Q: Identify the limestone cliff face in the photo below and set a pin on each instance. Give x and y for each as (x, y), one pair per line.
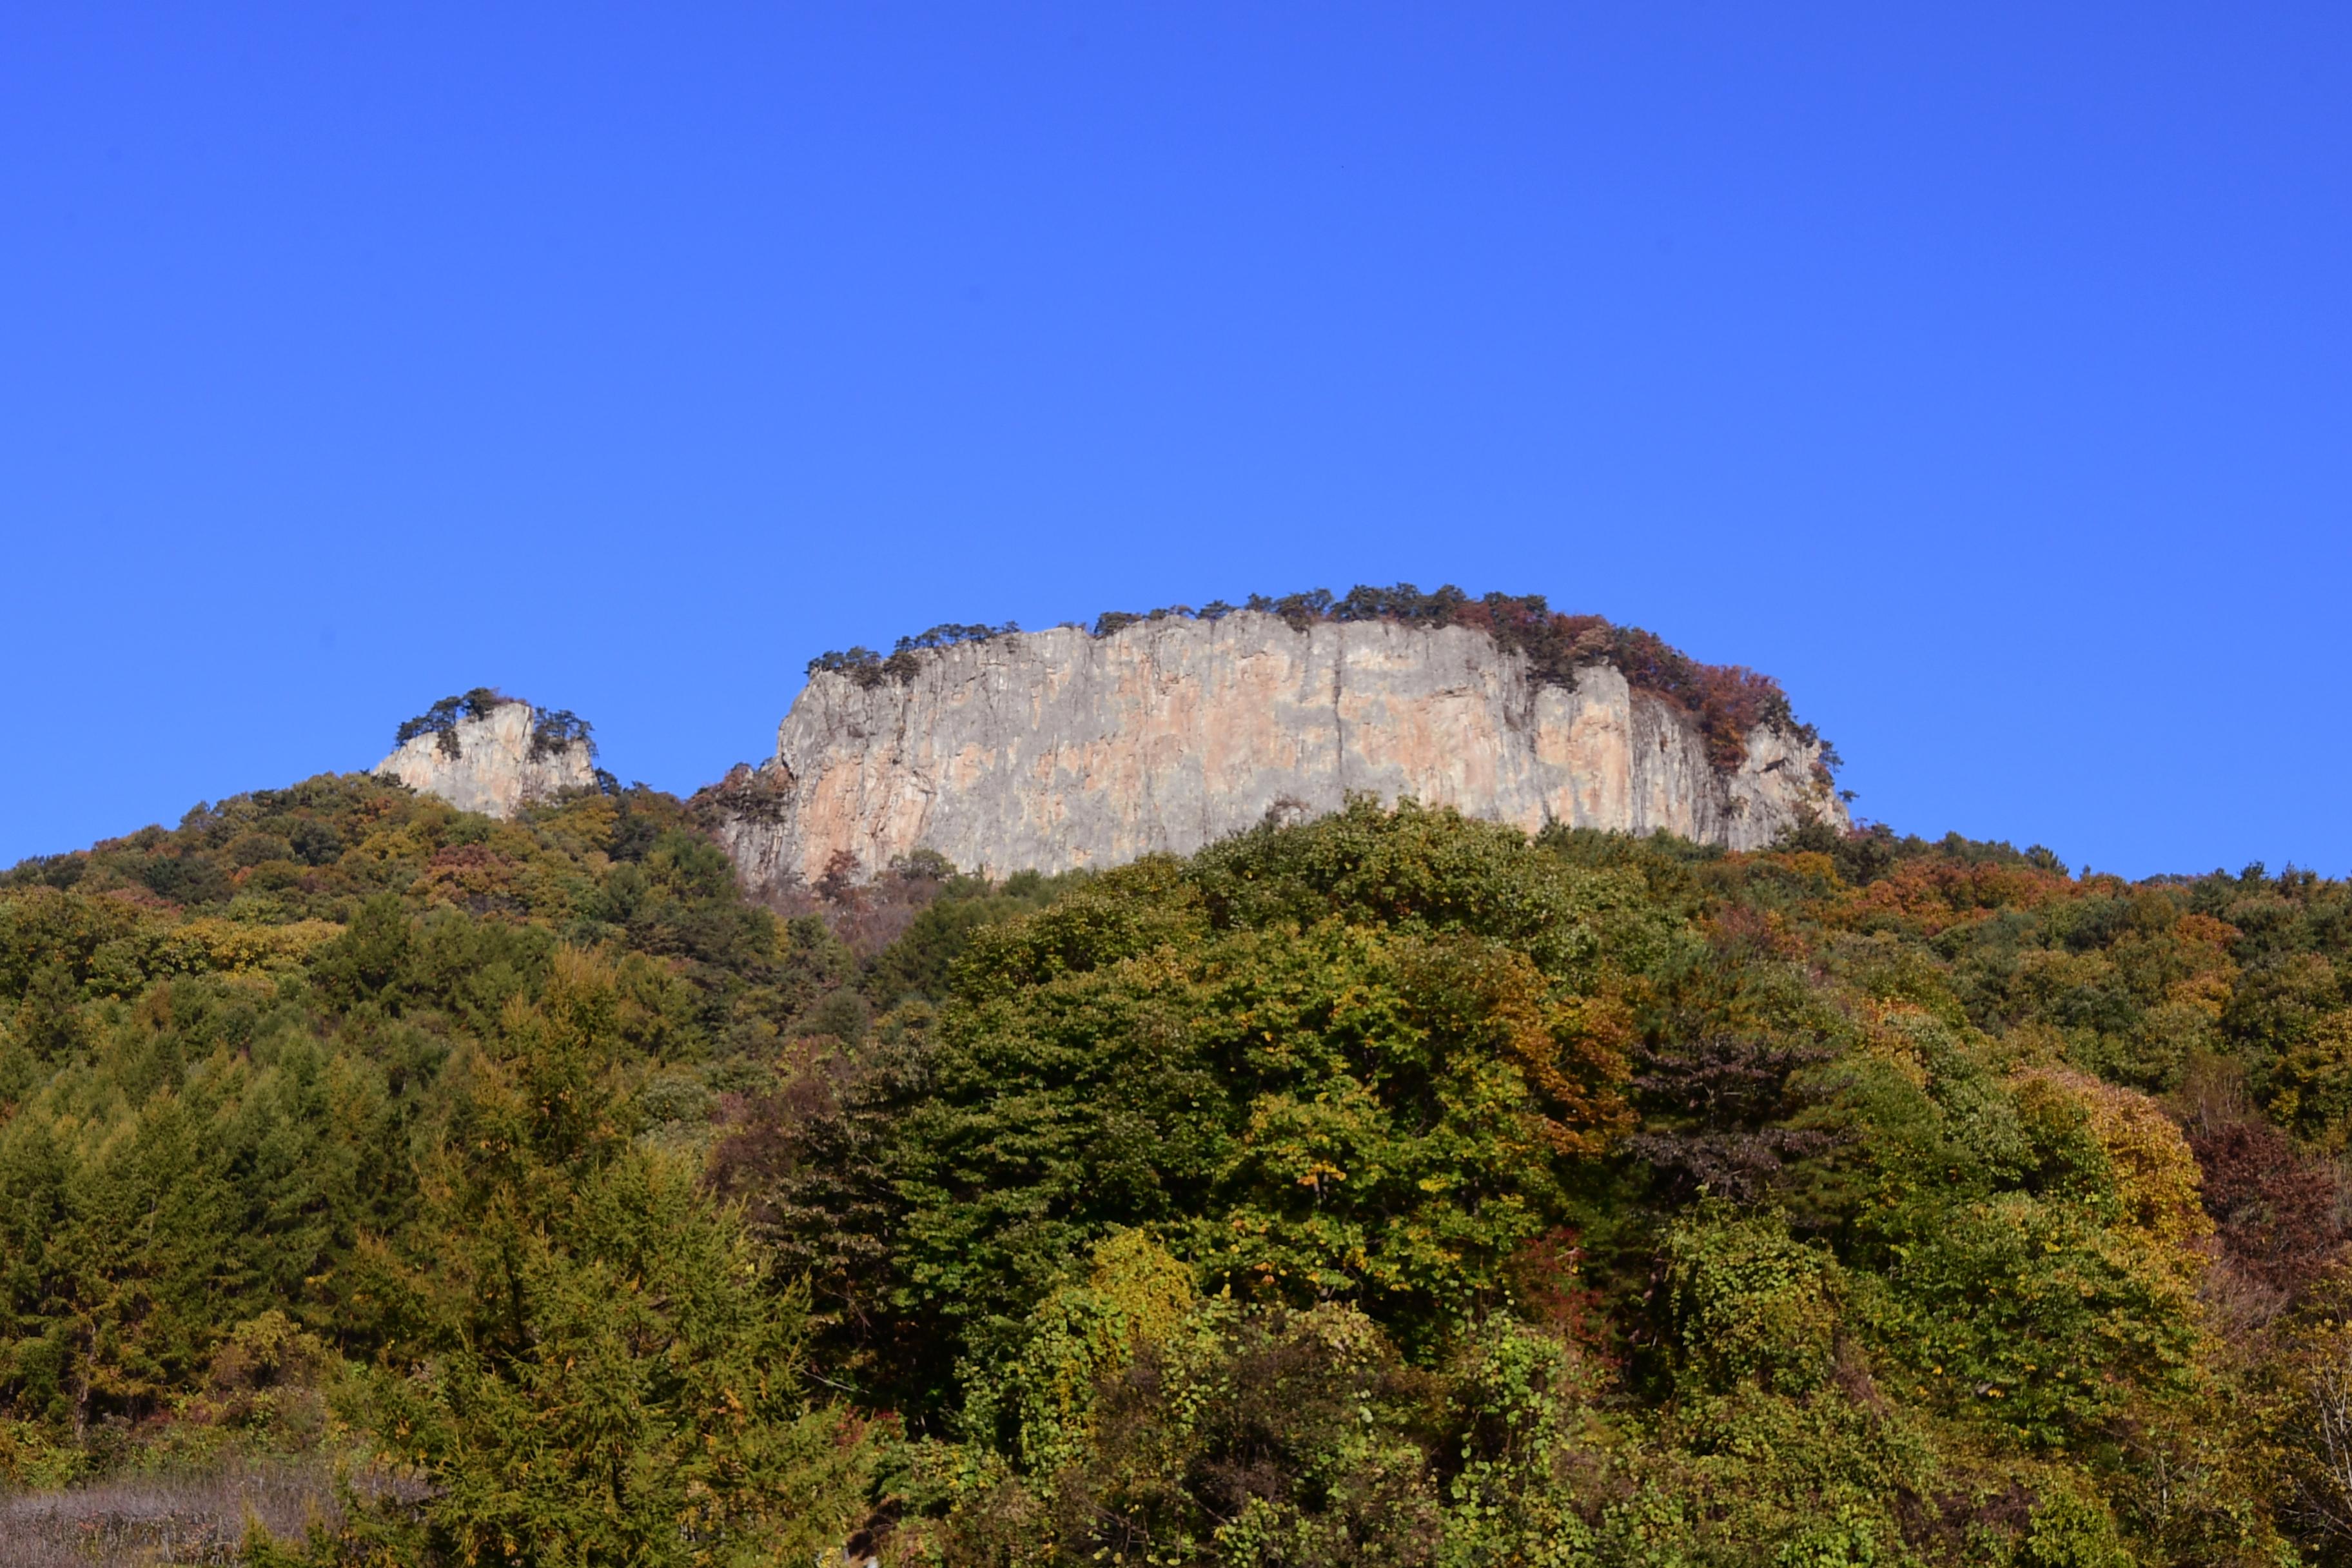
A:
(493, 770)
(1054, 750)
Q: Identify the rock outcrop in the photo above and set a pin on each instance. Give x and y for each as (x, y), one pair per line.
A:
(1052, 749)
(493, 763)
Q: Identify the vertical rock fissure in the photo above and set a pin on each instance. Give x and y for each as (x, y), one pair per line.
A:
(1338, 714)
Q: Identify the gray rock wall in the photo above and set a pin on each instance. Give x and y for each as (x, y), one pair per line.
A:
(493, 771)
(1054, 750)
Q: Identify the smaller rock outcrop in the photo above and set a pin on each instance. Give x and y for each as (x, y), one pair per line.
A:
(492, 755)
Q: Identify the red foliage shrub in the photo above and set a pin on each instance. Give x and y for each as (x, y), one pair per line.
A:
(2273, 1207)
(1936, 894)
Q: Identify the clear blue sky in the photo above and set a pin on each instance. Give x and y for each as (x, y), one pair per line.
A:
(1985, 371)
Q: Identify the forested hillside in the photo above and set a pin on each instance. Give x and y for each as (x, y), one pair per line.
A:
(1384, 1189)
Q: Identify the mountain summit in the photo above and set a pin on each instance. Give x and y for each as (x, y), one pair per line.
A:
(1006, 750)
(492, 753)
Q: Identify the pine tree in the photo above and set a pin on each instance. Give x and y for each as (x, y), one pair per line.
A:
(585, 1361)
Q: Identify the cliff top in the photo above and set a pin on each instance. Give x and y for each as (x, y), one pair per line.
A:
(1727, 700)
(551, 729)
(484, 751)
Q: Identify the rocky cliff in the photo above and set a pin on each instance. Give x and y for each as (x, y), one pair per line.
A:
(493, 762)
(1057, 749)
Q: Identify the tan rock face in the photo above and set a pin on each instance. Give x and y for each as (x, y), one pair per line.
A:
(1054, 750)
(493, 771)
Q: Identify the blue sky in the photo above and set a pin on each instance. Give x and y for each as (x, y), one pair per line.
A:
(1983, 372)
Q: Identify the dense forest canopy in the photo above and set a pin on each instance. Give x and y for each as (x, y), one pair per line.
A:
(1390, 1188)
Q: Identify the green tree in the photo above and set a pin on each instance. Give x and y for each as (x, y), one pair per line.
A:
(583, 1355)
